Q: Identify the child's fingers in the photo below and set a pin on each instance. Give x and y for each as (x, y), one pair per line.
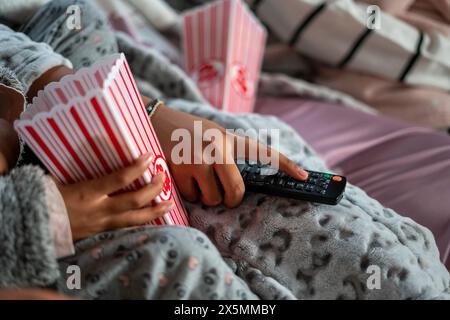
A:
(139, 217)
(137, 199)
(188, 188)
(232, 184)
(291, 168)
(254, 150)
(211, 192)
(121, 178)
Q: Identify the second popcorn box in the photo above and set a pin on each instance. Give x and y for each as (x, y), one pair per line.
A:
(224, 47)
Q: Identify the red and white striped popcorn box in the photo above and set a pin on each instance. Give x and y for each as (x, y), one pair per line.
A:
(93, 123)
(224, 46)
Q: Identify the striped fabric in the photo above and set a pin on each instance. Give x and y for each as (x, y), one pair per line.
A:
(226, 69)
(335, 32)
(93, 123)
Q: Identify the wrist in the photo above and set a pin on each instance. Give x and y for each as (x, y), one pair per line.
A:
(158, 116)
(146, 100)
(52, 75)
(12, 103)
(151, 106)
(160, 123)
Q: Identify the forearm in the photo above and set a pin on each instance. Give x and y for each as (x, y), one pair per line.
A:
(53, 75)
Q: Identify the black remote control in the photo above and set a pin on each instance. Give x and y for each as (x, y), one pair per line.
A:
(320, 187)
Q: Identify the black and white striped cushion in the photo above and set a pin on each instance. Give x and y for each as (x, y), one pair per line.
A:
(335, 32)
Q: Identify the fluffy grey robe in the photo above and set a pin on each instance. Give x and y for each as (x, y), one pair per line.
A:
(8, 78)
(27, 255)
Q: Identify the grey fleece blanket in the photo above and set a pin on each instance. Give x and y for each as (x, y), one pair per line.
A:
(293, 249)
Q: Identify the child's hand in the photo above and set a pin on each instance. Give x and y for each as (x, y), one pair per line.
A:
(212, 183)
(92, 209)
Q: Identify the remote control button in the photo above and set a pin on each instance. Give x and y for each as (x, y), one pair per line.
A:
(300, 185)
(270, 180)
(258, 183)
(314, 175)
(323, 192)
(281, 182)
(268, 171)
(291, 184)
(260, 178)
(327, 176)
(255, 170)
(282, 175)
(337, 178)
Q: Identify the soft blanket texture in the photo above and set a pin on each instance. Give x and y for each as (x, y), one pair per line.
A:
(283, 248)
(292, 249)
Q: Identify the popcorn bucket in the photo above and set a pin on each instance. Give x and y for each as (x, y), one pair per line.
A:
(93, 123)
(224, 46)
